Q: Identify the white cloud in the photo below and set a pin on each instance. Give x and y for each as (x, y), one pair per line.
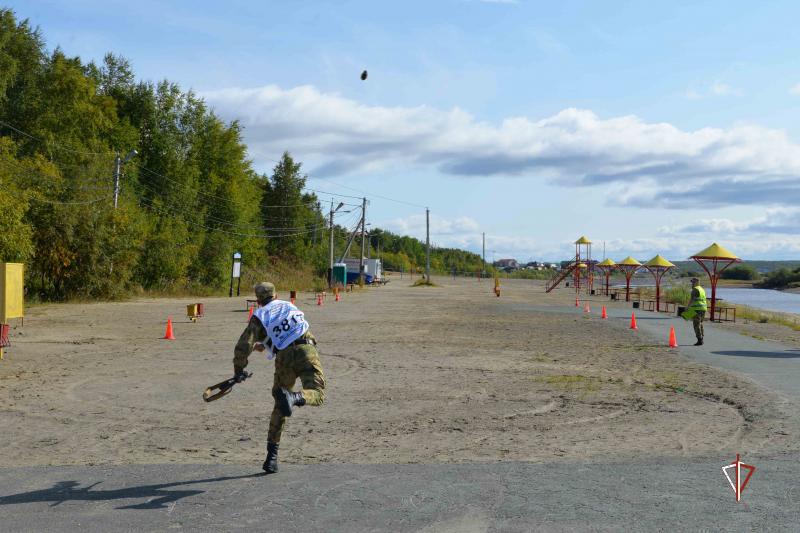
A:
(646, 164)
(795, 89)
(715, 88)
(465, 233)
(415, 225)
(772, 236)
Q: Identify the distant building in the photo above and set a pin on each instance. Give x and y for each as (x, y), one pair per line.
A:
(507, 265)
(502, 263)
(538, 265)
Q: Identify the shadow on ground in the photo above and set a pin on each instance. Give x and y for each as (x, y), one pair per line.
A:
(789, 354)
(157, 497)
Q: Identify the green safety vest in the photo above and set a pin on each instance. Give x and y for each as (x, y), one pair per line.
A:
(700, 302)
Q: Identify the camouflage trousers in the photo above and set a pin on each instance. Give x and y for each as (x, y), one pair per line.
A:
(697, 321)
(292, 363)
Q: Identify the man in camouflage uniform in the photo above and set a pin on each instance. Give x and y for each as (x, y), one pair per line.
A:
(280, 327)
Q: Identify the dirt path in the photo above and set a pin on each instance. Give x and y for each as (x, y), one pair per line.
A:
(449, 374)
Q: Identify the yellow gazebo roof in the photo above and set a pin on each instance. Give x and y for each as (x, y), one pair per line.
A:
(607, 263)
(659, 262)
(581, 265)
(583, 240)
(715, 251)
(629, 261)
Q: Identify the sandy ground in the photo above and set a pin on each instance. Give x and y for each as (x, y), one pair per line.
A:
(428, 375)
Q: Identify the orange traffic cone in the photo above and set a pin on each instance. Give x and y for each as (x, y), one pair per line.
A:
(249, 313)
(633, 321)
(576, 303)
(586, 308)
(168, 335)
(673, 342)
(604, 315)
(319, 299)
(337, 296)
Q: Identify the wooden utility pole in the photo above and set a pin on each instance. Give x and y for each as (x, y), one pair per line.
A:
(484, 254)
(117, 172)
(330, 271)
(363, 225)
(428, 245)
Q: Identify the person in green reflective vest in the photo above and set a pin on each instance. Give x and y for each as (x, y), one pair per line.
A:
(697, 303)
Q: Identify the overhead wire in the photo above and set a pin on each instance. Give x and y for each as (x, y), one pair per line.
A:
(210, 195)
(153, 172)
(243, 226)
(239, 234)
(371, 195)
(48, 143)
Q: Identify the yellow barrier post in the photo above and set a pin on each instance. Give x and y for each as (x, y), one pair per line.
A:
(12, 299)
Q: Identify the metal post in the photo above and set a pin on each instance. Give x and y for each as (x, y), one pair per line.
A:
(428, 244)
(230, 291)
(330, 274)
(361, 259)
(117, 171)
(484, 254)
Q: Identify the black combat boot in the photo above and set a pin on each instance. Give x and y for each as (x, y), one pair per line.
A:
(287, 399)
(271, 463)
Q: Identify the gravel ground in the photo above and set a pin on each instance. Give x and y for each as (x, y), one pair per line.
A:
(447, 374)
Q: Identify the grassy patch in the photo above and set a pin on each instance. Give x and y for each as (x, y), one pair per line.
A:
(679, 294)
(422, 282)
(541, 358)
(763, 317)
(671, 381)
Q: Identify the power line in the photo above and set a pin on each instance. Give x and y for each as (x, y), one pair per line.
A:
(154, 173)
(253, 235)
(234, 224)
(209, 195)
(35, 198)
(354, 189)
(49, 143)
(371, 195)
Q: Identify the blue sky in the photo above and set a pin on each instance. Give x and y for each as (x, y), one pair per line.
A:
(655, 128)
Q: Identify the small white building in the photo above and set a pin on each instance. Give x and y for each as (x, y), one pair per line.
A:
(372, 267)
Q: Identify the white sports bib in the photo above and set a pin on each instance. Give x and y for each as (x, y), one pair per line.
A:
(284, 322)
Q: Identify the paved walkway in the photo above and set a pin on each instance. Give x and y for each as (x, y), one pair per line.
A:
(772, 365)
(673, 495)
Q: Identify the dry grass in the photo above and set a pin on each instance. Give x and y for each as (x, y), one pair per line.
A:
(285, 276)
(763, 317)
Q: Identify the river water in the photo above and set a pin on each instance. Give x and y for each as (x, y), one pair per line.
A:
(767, 299)
(770, 300)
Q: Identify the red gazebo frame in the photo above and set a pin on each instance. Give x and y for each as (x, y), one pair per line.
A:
(658, 266)
(629, 266)
(714, 260)
(606, 267)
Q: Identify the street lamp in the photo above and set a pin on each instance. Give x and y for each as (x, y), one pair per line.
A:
(330, 267)
(118, 162)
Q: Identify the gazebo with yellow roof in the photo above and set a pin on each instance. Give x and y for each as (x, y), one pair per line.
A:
(714, 260)
(606, 266)
(629, 266)
(658, 266)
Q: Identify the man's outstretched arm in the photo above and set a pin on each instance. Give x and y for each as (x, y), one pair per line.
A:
(253, 333)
